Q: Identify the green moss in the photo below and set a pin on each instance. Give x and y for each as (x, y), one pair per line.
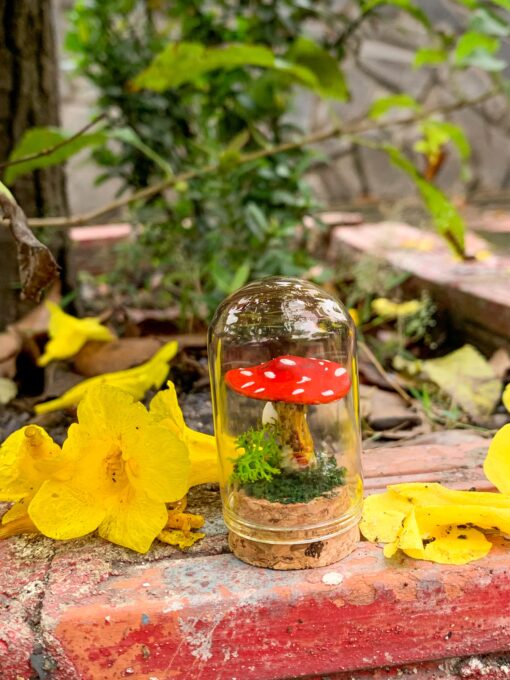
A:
(299, 487)
(261, 458)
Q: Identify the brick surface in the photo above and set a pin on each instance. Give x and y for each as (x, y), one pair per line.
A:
(475, 293)
(108, 613)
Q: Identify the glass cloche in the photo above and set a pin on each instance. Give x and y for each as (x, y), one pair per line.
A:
(284, 381)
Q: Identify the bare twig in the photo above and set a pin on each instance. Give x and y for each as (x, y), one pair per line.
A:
(56, 147)
(384, 374)
(357, 127)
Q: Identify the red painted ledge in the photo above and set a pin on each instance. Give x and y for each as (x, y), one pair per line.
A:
(85, 610)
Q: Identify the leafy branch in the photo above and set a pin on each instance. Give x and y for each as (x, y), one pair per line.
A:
(357, 127)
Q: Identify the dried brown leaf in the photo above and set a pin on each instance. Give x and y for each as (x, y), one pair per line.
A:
(37, 267)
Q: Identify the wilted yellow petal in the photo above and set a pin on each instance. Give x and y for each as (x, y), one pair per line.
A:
(18, 510)
(136, 381)
(432, 493)
(68, 334)
(496, 519)
(392, 310)
(134, 522)
(184, 520)
(383, 515)
(409, 537)
(497, 463)
(452, 545)
(181, 539)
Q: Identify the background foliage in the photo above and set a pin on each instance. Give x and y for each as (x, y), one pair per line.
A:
(192, 85)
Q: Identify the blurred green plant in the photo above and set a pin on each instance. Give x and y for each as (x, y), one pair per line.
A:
(204, 92)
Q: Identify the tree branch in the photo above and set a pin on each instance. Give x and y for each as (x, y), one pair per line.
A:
(357, 127)
(52, 149)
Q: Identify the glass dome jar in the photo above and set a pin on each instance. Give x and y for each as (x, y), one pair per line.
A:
(284, 381)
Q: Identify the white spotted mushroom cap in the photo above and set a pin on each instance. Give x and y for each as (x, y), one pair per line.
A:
(295, 380)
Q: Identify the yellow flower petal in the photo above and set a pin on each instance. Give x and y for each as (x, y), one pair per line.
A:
(28, 457)
(117, 442)
(480, 516)
(497, 463)
(506, 397)
(62, 511)
(452, 545)
(392, 310)
(68, 334)
(432, 493)
(135, 522)
(136, 381)
(165, 409)
(409, 537)
(382, 517)
(181, 539)
(18, 510)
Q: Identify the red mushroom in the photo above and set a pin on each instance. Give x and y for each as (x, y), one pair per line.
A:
(293, 383)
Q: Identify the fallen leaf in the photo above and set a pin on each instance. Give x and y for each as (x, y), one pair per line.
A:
(386, 410)
(8, 390)
(37, 266)
(96, 358)
(500, 362)
(468, 378)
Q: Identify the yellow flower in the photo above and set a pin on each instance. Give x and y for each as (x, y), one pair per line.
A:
(28, 457)
(136, 381)
(165, 410)
(392, 310)
(506, 397)
(497, 463)
(354, 314)
(68, 334)
(124, 468)
(431, 522)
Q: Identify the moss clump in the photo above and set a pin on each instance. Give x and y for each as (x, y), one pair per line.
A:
(261, 458)
(299, 487)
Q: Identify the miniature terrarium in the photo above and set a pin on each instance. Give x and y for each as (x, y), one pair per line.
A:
(282, 356)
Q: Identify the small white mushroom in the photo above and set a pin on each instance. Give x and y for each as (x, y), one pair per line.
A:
(269, 414)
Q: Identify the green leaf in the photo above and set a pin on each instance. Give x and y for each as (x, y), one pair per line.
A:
(405, 5)
(485, 61)
(438, 133)
(129, 136)
(5, 191)
(395, 101)
(40, 139)
(505, 4)
(447, 220)
(256, 221)
(489, 23)
(330, 79)
(429, 56)
(186, 62)
(473, 42)
(240, 277)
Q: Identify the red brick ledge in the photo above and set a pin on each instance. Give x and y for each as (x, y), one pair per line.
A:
(87, 610)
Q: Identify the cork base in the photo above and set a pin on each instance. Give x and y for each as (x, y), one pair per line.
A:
(295, 535)
(297, 556)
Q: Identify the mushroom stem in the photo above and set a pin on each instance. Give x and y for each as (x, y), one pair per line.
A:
(295, 434)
